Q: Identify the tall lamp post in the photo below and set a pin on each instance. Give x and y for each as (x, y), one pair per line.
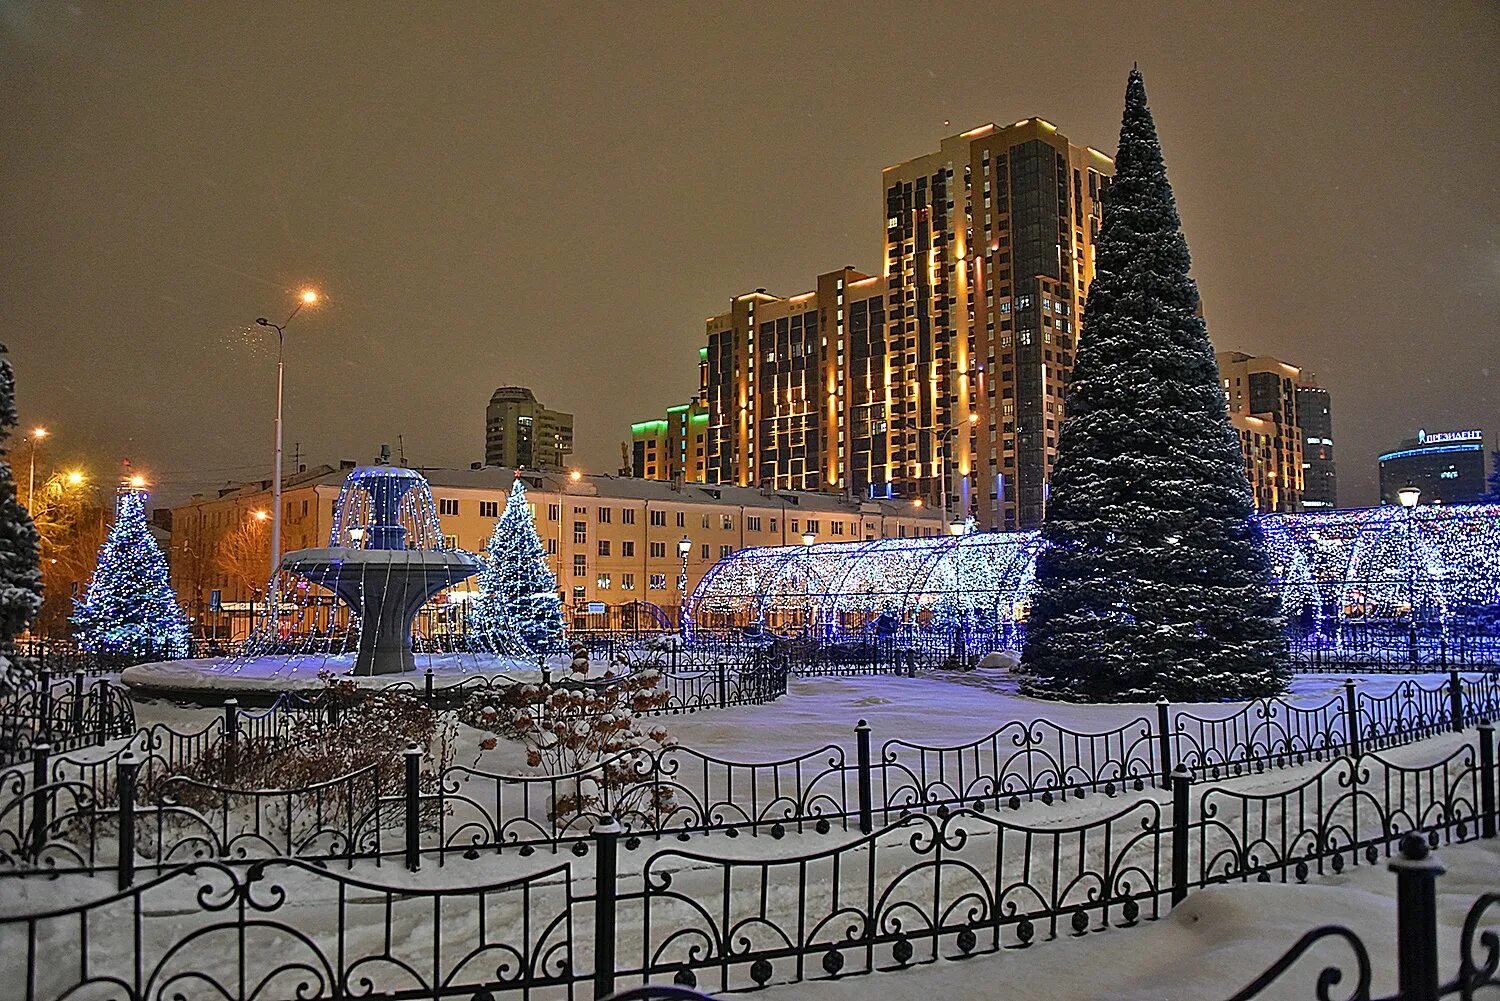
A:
(684, 550)
(309, 297)
(808, 538)
(1409, 496)
(36, 435)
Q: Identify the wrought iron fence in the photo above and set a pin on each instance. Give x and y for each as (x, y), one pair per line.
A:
(67, 715)
(1418, 963)
(67, 815)
(937, 885)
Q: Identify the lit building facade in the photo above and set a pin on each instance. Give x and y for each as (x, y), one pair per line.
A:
(611, 540)
(520, 433)
(1320, 485)
(1262, 397)
(674, 447)
(989, 252)
(1449, 467)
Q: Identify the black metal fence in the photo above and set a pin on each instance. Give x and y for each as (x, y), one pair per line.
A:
(68, 815)
(64, 714)
(930, 886)
(1418, 962)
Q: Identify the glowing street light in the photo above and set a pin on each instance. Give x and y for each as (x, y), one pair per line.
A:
(36, 435)
(575, 475)
(74, 478)
(137, 482)
(1409, 496)
(307, 297)
(259, 515)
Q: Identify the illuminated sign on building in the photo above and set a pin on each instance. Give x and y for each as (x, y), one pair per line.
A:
(1423, 438)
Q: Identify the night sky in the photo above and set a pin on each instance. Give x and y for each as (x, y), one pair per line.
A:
(556, 196)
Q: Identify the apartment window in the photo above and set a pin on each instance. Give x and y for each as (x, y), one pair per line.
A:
(681, 519)
(725, 551)
(554, 512)
(752, 523)
(489, 509)
(838, 528)
(448, 505)
(773, 525)
(580, 532)
(602, 582)
(603, 547)
(450, 542)
(726, 522)
(659, 519)
(705, 521)
(627, 516)
(604, 515)
(658, 582)
(580, 566)
(812, 526)
(658, 550)
(705, 551)
(627, 548)
(627, 582)
(551, 547)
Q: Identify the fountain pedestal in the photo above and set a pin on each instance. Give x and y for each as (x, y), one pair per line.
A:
(385, 588)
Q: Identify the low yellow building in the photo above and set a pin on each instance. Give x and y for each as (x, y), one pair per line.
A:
(612, 540)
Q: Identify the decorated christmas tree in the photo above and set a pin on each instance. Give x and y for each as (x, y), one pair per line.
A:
(130, 609)
(517, 609)
(1493, 497)
(1156, 581)
(20, 578)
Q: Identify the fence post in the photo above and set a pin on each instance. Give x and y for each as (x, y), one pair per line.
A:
(44, 679)
(1417, 870)
(1164, 741)
(232, 733)
(1456, 700)
(1181, 785)
(129, 766)
(41, 807)
(606, 868)
(723, 684)
(862, 748)
(1487, 779)
(427, 681)
(77, 714)
(1351, 717)
(413, 792)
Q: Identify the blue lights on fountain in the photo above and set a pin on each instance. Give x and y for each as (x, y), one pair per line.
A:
(385, 558)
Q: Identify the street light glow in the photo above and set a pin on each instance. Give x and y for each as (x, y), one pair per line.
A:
(138, 481)
(259, 515)
(38, 432)
(75, 478)
(309, 296)
(575, 475)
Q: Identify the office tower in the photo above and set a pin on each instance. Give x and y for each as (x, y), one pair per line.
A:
(1319, 478)
(1262, 397)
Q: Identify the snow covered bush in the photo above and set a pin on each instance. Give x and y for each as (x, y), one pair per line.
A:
(344, 771)
(588, 729)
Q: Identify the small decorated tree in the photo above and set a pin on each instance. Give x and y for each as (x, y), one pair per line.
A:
(130, 610)
(1493, 497)
(20, 578)
(517, 609)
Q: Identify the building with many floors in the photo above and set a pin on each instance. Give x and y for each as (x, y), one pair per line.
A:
(1319, 476)
(611, 540)
(1448, 467)
(950, 366)
(520, 433)
(1262, 396)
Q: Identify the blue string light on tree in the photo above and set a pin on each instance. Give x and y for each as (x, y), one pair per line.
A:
(516, 609)
(130, 609)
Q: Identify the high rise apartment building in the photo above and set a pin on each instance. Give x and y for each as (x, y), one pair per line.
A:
(522, 434)
(674, 447)
(1319, 477)
(989, 251)
(952, 364)
(1262, 397)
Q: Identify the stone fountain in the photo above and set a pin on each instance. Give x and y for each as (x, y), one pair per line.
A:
(385, 558)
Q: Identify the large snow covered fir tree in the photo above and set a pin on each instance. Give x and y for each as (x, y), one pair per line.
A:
(1156, 581)
(130, 609)
(20, 575)
(517, 609)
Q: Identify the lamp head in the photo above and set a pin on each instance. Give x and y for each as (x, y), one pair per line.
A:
(38, 433)
(808, 538)
(1409, 496)
(262, 321)
(75, 478)
(684, 547)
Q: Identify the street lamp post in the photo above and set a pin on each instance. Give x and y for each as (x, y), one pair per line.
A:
(307, 298)
(36, 435)
(684, 550)
(1409, 496)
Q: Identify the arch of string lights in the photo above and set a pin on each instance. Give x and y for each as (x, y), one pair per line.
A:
(1366, 576)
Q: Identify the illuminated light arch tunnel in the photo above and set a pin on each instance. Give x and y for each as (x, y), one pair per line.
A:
(1373, 578)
